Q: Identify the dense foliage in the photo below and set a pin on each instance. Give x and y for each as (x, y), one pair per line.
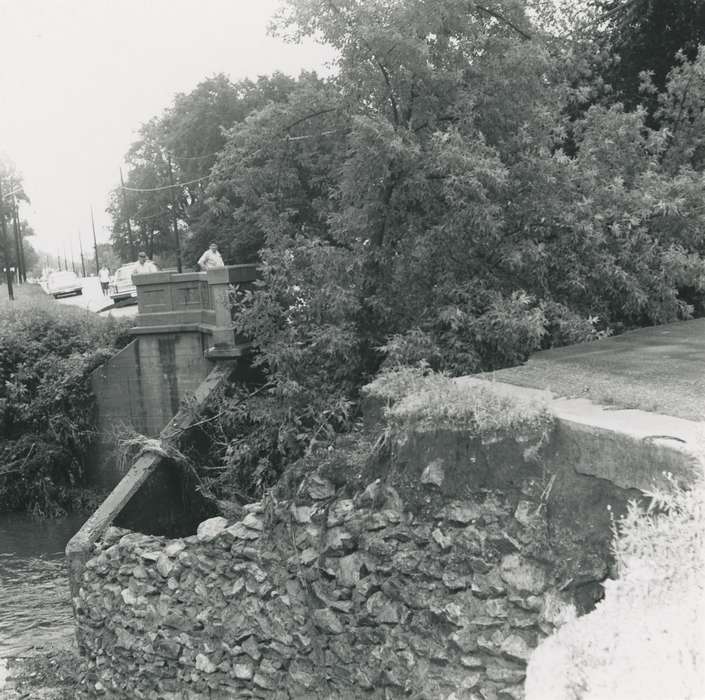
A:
(46, 407)
(468, 187)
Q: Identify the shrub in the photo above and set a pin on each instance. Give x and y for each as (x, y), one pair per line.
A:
(47, 352)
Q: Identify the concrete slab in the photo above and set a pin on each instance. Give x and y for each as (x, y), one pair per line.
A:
(659, 369)
(631, 448)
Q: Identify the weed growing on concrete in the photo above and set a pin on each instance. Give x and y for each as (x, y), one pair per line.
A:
(418, 400)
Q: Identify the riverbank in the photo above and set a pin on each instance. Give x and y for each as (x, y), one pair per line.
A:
(51, 676)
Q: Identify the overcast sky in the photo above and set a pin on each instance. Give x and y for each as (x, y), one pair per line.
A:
(78, 77)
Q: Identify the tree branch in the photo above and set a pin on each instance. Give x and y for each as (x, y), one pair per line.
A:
(504, 20)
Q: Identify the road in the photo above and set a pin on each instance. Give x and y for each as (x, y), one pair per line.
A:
(93, 299)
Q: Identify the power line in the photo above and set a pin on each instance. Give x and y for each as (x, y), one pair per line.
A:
(165, 187)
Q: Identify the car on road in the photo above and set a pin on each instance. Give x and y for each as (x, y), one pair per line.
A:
(63, 283)
(122, 287)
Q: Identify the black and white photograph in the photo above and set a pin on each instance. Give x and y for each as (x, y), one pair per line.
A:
(352, 349)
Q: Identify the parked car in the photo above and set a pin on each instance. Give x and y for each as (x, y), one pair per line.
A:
(62, 283)
(122, 287)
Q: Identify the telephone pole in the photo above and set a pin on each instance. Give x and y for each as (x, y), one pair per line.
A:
(95, 244)
(173, 213)
(73, 262)
(5, 252)
(133, 253)
(80, 247)
(20, 242)
(18, 246)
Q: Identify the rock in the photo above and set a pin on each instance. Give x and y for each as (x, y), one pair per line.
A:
(443, 541)
(557, 610)
(524, 512)
(523, 575)
(433, 474)
(504, 674)
(487, 585)
(209, 529)
(203, 663)
(165, 565)
(382, 609)
(114, 534)
(515, 647)
(308, 556)
(128, 597)
(512, 692)
(173, 548)
(167, 647)
(301, 514)
(472, 662)
(243, 671)
(470, 681)
(240, 532)
(497, 607)
(347, 570)
(252, 522)
(340, 511)
(327, 621)
(455, 582)
(251, 648)
(337, 540)
(465, 640)
(460, 513)
(319, 488)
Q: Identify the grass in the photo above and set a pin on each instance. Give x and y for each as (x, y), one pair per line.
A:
(425, 401)
(656, 369)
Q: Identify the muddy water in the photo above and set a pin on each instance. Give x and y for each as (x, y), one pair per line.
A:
(35, 608)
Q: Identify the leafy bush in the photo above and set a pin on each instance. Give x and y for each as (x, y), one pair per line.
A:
(47, 352)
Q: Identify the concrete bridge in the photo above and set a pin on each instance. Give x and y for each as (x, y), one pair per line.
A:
(183, 329)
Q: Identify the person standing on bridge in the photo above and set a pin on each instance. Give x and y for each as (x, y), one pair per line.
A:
(104, 277)
(144, 264)
(211, 258)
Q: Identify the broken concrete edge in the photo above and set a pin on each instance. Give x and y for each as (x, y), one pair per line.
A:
(78, 550)
(631, 448)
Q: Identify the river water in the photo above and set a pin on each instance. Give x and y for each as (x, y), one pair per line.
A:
(35, 605)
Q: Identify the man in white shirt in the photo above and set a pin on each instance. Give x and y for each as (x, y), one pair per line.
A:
(144, 264)
(211, 258)
(104, 277)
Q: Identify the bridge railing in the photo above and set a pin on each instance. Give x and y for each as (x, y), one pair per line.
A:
(173, 302)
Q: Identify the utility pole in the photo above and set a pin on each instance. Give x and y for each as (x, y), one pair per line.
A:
(133, 253)
(5, 252)
(58, 258)
(66, 265)
(73, 262)
(80, 247)
(95, 244)
(18, 224)
(18, 246)
(173, 213)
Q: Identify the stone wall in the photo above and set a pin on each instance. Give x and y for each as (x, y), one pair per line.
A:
(339, 593)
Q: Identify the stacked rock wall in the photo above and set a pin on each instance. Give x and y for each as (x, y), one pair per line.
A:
(333, 595)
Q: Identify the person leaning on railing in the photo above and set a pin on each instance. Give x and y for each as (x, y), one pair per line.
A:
(211, 258)
(144, 264)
